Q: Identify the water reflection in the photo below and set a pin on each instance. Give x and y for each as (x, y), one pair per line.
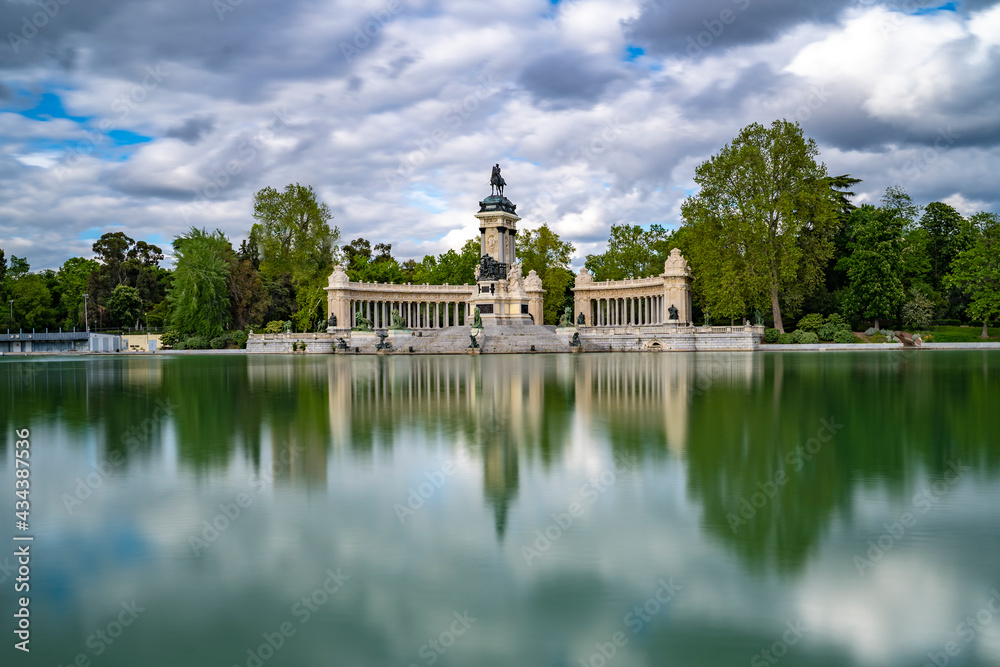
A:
(738, 421)
(341, 440)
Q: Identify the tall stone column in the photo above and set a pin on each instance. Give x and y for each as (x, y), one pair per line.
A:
(533, 289)
(581, 300)
(677, 288)
(337, 302)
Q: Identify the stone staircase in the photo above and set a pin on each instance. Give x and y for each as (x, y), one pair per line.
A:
(450, 340)
(516, 339)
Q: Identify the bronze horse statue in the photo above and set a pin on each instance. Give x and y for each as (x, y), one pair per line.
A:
(497, 184)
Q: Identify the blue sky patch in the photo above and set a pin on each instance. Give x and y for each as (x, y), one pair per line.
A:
(50, 107)
(632, 52)
(946, 7)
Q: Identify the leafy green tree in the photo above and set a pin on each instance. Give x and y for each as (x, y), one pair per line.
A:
(294, 238)
(633, 252)
(943, 225)
(764, 220)
(976, 270)
(199, 296)
(541, 250)
(125, 305)
(248, 300)
(364, 265)
(124, 261)
(32, 301)
(72, 278)
(875, 269)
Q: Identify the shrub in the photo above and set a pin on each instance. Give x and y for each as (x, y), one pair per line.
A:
(240, 339)
(843, 337)
(786, 339)
(946, 323)
(918, 310)
(808, 338)
(274, 327)
(871, 331)
(798, 334)
(811, 322)
(170, 338)
(218, 343)
(197, 343)
(771, 335)
(826, 331)
(295, 346)
(839, 322)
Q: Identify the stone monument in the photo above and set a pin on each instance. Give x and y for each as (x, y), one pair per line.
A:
(502, 295)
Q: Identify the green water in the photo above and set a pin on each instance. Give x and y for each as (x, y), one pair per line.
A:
(654, 509)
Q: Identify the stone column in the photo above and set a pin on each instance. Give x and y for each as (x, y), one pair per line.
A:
(677, 287)
(533, 290)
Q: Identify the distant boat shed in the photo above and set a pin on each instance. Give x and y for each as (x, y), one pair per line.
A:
(64, 341)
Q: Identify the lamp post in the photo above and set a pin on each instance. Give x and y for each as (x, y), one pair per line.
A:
(86, 320)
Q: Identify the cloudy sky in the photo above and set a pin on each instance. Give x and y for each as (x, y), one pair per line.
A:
(151, 117)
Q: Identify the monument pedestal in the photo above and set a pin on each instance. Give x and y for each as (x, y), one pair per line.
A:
(498, 305)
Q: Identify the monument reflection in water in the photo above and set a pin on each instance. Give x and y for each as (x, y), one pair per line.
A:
(513, 509)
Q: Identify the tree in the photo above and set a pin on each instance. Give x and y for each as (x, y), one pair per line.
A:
(112, 251)
(32, 301)
(633, 252)
(542, 251)
(247, 298)
(72, 278)
(294, 237)
(875, 269)
(125, 305)
(976, 270)
(766, 217)
(124, 261)
(199, 296)
(942, 224)
(366, 266)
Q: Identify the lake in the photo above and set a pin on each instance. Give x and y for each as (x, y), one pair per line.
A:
(832, 508)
